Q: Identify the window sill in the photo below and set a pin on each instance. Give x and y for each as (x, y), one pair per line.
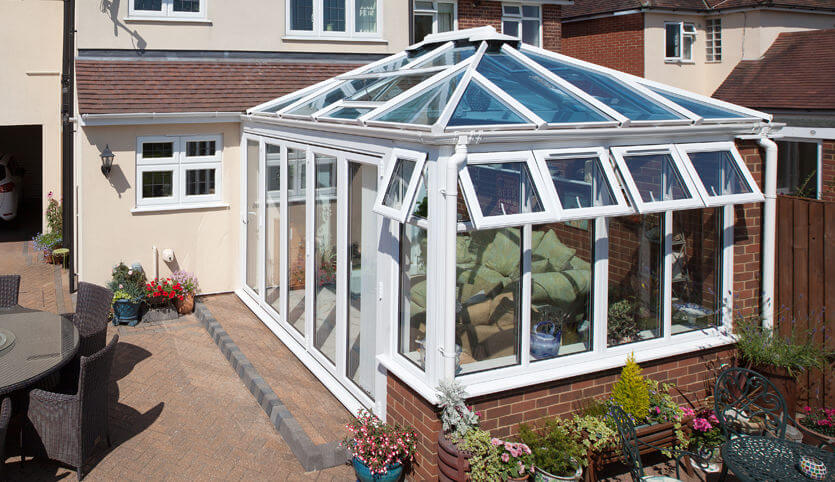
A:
(312, 38)
(152, 19)
(179, 207)
(682, 62)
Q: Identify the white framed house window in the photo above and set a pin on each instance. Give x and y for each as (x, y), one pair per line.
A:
(713, 39)
(334, 18)
(178, 172)
(401, 182)
(431, 17)
(679, 40)
(719, 173)
(523, 21)
(168, 9)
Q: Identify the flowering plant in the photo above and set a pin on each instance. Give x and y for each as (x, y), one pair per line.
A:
(163, 290)
(662, 407)
(129, 280)
(515, 458)
(820, 420)
(187, 281)
(493, 459)
(379, 445)
(703, 432)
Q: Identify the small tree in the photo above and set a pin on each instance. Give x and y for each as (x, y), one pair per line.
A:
(630, 392)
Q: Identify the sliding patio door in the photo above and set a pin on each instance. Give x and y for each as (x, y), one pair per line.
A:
(252, 215)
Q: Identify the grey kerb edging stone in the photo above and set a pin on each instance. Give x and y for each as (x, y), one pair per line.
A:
(309, 455)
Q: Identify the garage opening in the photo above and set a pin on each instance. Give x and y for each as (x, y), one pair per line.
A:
(21, 186)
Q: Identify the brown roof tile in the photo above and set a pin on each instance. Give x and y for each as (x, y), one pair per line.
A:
(117, 86)
(796, 72)
(582, 8)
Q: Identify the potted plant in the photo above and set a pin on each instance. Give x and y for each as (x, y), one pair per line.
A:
(127, 284)
(457, 419)
(46, 243)
(703, 436)
(492, 459)
(555, 450)
(379, 450)
(622, 327)
(186, 283)
(818, 426)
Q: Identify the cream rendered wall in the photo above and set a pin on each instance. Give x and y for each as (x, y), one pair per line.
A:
(251, 25)
(205, 241)
(745, 36)
(30, 75)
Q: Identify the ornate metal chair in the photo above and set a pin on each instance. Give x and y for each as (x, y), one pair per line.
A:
(9, 289)
(746, 403)
(632, 452)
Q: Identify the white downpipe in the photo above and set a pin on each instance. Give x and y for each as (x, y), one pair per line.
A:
(155, 258)
(769, 231)
(453, 164)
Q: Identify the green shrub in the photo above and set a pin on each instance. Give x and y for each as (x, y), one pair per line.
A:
(555, 449)
(129, 280)
(795, 354)
(631, 392)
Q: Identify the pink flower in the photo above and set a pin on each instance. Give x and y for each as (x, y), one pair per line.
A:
(658, 410)
(495, 442)
(505, 457)
(807, 409)
(688, 412)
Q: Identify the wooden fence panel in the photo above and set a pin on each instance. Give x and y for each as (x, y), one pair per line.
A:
(806, 283)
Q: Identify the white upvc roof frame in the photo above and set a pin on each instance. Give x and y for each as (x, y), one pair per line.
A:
(428, 56)
(713, 200)
(552, 212)
(643, 207)
(621, 206)
(400, 215)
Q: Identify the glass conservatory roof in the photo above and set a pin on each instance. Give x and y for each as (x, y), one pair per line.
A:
(480, 79)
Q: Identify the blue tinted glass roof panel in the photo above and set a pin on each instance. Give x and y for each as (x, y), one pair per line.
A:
(608, 90)
(426, 108)
(546, 99)
(699, 108)
(349, 112)
(479, 107)
(449, 57)
(387, 88)
(331, 96)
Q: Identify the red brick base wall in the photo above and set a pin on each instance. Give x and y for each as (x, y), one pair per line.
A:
(828, 171)
(615, 42)
(490, 13)
(747, 239)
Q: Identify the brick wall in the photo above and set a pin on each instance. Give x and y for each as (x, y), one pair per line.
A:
(828, 171)
(405, 407)
(615, 42)
(747, 238)
(490, 13)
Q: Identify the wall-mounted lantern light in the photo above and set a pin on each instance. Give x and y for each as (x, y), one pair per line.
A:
(106, 160)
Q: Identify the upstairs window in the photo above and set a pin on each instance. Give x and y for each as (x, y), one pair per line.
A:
(168, 8)
(333, 18)
(713, 39)
(433, 17)
(523, 21)
(679, 41)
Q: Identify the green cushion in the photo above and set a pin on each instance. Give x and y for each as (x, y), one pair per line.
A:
(464, 258)
(502, 254)
(483, 279)
(559, 288)
(551, 248)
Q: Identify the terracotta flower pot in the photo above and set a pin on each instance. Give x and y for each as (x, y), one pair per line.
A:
(186, 305)
(812, 436)
(453, 464)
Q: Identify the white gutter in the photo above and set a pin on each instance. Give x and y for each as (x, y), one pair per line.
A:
(453, 164)
(769, 231)
(134, 118)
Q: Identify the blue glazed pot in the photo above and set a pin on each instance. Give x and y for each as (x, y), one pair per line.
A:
(126, 311)
(395, 471)
(545, 339)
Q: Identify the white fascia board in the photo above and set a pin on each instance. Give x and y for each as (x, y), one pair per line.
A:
(799, 132)
(140, 118)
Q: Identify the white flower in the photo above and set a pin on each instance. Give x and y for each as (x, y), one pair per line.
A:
(121, 286)
(130, 272)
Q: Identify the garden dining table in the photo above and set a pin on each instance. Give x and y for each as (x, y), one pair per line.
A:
(767, 458)
(33, 345)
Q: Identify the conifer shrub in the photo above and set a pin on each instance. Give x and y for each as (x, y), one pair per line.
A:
(631, 391)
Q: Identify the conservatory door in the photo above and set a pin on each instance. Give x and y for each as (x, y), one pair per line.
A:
(252, 216)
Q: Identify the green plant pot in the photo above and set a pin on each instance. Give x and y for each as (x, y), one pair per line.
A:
(126, 311)
(363, 473)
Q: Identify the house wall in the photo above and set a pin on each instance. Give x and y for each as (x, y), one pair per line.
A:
(205, 241)
(828, 170)
(745, 36)
(693, 373)
(255, 25)
(30, 77)
(615, 42)
(490, 13)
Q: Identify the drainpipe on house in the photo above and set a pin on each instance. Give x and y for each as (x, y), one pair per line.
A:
(67, 137)
(769, 251)
(453, 164)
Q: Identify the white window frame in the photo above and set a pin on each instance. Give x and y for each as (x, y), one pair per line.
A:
(434, 14)
(319, 31)
(166, 11)
(714, 200)
(179, 164)
(682, 33)
(713, 40)
(545, 191)
(518, 18)
(401, 214)
(621, 206)
(643, 207)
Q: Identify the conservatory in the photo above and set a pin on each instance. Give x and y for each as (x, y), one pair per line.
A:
(478, 208)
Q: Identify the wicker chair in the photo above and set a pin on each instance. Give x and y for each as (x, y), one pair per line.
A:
(90, 318)
(9, 289)
(69, 426)
(5, 415)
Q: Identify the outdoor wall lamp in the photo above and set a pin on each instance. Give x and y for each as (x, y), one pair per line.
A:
(106, 160)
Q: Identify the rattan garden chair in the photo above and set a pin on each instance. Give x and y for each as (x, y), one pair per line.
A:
(90, 318)
(9, 289)
(5, 416)
(68, 427)
(632, 449)
(746, 403)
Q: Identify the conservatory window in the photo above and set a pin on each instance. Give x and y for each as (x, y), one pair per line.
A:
(636, 248)
(488, 299)
(400, 183)
(523, 21)
(720, 174)
(324, 228)
(561, 289)
(296, 238)
(172, 9)
(272, 229)
(433, 17)
(412, 325)
(680, 37)
(656, 178)
(505, 189)
(333, 18)
(178, 171)
(696, 270)
(585, 182)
